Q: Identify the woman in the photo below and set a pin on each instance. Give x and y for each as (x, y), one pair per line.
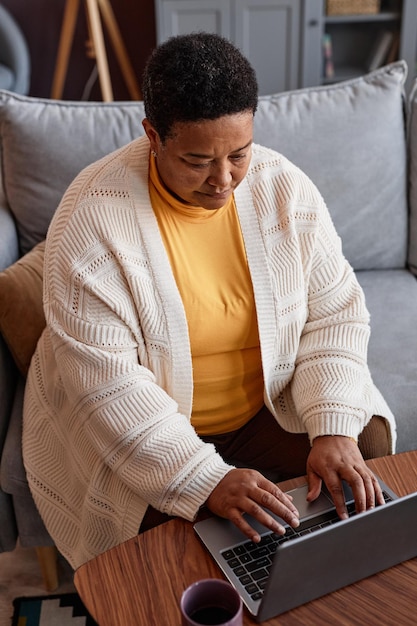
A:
(205, 335)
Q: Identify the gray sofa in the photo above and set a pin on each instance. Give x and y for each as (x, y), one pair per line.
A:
(356, 140)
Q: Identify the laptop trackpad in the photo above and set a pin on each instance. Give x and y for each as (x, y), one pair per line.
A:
(307, 509)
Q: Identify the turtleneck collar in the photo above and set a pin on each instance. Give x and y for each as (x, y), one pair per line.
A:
(197, 213)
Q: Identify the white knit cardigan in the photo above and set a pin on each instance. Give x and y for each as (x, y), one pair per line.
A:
(109, 393)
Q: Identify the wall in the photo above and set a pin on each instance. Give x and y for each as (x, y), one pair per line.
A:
(41, 20)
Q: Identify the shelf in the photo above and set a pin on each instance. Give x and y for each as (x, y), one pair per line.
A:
(384, 16)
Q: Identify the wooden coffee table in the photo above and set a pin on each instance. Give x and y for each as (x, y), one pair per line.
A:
(140, 582)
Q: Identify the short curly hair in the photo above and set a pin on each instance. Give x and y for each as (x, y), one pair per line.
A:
(196, 77)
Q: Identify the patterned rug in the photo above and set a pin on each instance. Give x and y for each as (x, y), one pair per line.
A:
(63, 610)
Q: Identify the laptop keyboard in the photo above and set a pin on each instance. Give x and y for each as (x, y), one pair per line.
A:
(251, 562)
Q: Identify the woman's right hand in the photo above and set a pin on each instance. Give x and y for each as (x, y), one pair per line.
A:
(247, 491)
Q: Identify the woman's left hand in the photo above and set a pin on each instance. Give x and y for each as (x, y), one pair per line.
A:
(333, 458)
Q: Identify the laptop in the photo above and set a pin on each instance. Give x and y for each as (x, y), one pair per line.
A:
(322, 555)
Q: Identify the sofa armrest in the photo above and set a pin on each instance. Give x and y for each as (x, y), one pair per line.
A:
(9, 243)
(8, 381)
(9, 253)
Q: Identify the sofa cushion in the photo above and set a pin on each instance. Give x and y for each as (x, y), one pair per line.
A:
(391, 297)
(21, 312)
(350, 139)
(45, 143)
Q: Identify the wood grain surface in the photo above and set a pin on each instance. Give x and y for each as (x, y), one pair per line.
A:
(140, 582)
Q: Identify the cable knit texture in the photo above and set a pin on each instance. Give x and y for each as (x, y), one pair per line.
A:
(109, 393)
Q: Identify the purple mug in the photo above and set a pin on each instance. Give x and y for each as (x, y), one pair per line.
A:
(211, 601)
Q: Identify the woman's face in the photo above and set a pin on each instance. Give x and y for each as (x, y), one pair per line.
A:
(203, 162)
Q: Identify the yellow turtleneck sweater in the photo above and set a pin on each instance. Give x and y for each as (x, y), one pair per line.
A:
(207, 256)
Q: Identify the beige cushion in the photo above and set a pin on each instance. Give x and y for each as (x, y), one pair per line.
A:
(21, 312)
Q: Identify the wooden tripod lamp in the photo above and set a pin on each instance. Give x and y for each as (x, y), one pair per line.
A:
(95, 10)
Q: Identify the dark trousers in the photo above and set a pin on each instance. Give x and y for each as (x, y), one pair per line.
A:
(263, 445)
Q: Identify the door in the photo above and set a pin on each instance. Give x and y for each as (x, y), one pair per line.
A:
(268, 33)
(179, 17)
